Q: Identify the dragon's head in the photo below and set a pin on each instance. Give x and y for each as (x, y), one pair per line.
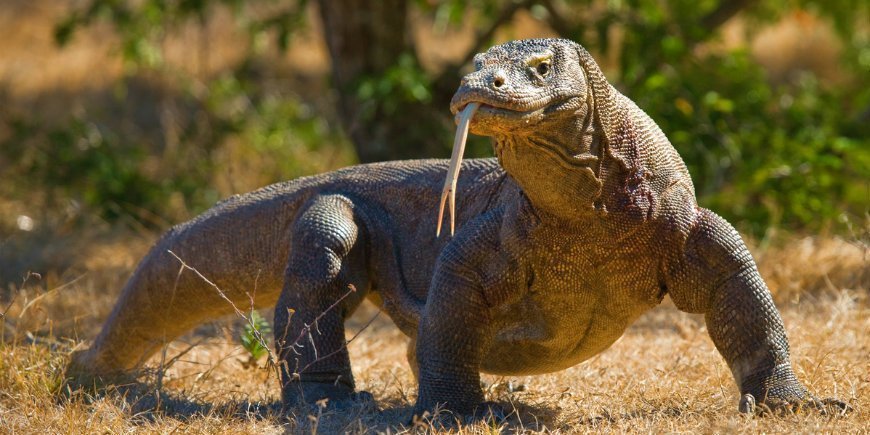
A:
(549, 109)
(526, 86)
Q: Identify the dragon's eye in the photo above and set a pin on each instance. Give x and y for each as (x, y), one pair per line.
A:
(540, 63)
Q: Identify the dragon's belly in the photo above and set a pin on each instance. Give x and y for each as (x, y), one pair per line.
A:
(555, 326)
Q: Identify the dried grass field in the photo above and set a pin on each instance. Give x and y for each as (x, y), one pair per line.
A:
(663, 375)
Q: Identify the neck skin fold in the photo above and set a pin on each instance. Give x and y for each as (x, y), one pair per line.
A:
(556, 166)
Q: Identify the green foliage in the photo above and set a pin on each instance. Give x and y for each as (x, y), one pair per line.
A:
(792, 154)
(140, 25)
(253, 334)
(292, 137)
(781, 156)
(115, 163)
(80, 161)
(404, 82)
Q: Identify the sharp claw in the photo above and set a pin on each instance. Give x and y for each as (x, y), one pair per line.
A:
(779, 406)
(828, 405)
(747, 404)
(449, 189)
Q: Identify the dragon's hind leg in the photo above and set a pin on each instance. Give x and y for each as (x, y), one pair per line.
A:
(325, 280)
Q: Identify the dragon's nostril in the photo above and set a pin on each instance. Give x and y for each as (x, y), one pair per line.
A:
(499, 79)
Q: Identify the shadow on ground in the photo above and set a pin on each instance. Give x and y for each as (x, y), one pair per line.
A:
(147, 404)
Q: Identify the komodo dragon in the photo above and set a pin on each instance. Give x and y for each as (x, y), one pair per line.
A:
(585, 220)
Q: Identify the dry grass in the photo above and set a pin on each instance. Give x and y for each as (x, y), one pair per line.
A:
(664, 375)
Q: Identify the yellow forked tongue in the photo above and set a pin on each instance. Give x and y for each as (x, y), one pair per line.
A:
(455, 163)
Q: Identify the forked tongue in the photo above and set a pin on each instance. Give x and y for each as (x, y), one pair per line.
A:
(455, 163)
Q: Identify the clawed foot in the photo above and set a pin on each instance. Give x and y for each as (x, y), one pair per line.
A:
(779, 406)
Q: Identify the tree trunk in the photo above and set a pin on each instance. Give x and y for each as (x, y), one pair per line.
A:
(365, 39)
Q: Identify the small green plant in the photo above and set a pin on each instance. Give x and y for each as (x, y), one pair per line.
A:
(252, 338)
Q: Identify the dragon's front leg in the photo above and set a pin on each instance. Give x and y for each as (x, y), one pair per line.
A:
(716, 275)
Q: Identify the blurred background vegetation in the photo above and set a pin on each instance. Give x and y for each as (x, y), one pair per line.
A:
(142, 113)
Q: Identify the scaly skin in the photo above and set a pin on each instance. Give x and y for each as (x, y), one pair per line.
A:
(587, 219)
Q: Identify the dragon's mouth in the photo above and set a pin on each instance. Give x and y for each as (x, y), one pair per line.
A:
(487, 111)
(495, 109)
(489, 117)
(494, 117)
